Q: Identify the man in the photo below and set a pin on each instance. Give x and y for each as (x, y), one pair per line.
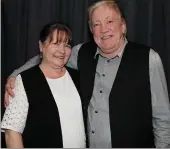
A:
(122, 85)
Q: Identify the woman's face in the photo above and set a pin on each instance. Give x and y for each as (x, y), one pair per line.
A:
(55, 54)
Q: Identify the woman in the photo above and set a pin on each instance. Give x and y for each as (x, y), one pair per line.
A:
(46, 110)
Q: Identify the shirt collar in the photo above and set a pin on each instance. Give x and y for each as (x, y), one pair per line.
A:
(119, 54)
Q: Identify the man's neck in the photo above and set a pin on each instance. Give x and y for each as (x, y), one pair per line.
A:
(118, 50)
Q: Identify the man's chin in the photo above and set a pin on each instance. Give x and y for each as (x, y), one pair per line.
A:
(107, 49)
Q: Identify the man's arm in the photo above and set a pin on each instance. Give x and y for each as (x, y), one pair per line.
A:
(72, 62)
(160, 102)
(30, 63)
(11, 79)
(13, 139)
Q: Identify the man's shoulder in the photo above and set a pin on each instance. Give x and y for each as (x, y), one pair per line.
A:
(88, 46)
(138, 46)
(89, 43)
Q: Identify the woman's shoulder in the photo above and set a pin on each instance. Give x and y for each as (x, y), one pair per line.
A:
(19, 87)
(18, 81)
(74, 74)
(31, 70)
(71, 70)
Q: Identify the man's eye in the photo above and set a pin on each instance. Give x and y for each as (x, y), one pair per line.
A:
(110, 21)
(94, 25)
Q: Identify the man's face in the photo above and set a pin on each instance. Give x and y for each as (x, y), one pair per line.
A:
(107, 28)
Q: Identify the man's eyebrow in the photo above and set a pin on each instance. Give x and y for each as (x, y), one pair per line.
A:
(109, 17)
(96, 21)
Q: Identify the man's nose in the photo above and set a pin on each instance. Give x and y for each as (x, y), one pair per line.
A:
(104, 28)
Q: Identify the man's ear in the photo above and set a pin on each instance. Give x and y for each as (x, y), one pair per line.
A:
(124, 29)
(90, 26)
(40, 46)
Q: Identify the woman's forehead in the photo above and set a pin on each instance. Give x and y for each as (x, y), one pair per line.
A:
(60, 36)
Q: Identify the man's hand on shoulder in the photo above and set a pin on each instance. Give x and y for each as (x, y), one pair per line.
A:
(10, 85)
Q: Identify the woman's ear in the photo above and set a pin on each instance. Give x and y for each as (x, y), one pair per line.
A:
(40, 46)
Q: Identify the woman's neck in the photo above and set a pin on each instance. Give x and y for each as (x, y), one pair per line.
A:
(52, 72)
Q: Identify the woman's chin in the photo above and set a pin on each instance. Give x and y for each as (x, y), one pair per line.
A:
(57, 65)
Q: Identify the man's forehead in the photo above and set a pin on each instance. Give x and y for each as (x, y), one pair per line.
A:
(107, 14)
(106, 8)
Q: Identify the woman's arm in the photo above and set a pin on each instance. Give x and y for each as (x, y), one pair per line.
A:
(15, 116)
(13, 139)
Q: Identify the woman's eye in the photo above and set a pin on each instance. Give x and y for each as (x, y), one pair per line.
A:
(55, 43)
(68, 46)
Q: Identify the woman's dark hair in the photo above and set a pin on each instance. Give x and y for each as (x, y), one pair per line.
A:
(63, 32)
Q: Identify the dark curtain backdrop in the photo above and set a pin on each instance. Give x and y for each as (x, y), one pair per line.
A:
(148, 22)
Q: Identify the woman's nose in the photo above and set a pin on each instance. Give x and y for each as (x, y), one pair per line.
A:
(61, 49)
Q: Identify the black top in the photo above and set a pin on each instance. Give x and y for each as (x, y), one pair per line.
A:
(130, 97)
(43, 129)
